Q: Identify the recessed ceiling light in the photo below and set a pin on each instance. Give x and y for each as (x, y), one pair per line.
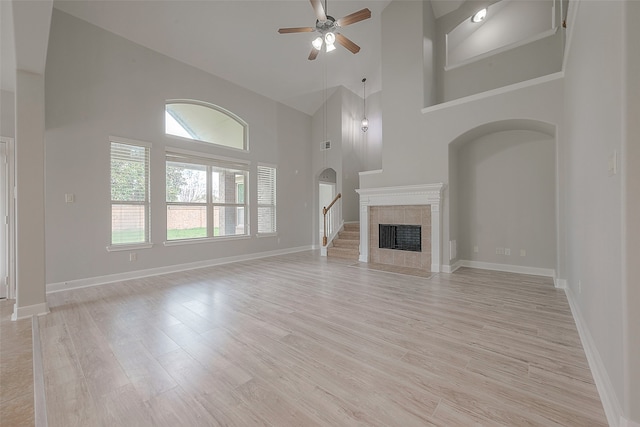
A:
(479, 16)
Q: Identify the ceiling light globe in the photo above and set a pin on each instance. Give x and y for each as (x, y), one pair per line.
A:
(364, 125)
(317, 43)
(329, 38)
(479, 16)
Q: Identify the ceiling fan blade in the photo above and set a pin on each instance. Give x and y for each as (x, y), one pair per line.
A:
(358, 16)
(319, 10)
(296, 30)
(351, 46)
(313, 54)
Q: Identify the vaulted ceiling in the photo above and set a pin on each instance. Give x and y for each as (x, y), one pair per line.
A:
(238, 41)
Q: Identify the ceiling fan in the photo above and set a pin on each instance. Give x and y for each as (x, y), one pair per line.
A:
(327, 26)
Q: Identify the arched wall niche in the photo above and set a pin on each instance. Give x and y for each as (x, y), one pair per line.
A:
(502, 186)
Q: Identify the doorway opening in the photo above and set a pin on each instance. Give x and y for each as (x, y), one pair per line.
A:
(327, 191)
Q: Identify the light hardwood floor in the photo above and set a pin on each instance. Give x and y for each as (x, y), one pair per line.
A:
(300, 340)
(16, 369)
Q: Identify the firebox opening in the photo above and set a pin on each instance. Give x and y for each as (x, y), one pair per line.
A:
(400, 237)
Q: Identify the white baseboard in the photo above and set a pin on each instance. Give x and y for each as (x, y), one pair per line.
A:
(29, 311)
(612, 408)
(138, 274)
(560, 283)
(451, 268)
(534, 271)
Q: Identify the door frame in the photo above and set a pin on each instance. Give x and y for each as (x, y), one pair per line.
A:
(10, 214)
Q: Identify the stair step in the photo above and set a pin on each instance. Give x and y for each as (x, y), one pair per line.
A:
(346, 243)
(349, 235)
(343, 253)
(352, 226)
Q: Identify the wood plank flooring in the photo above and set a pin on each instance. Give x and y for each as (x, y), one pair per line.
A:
(301, 340)
(16, 369)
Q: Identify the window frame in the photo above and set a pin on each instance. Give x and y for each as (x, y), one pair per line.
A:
(146, 203)
(235, 117)
(274, 205)
(210, 162)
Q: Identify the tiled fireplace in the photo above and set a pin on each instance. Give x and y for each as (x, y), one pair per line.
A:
(400, 213)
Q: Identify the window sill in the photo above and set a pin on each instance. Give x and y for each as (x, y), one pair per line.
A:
(260, 235)
(131, 247)
(204, 240)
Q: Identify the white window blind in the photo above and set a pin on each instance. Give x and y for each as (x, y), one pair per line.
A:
(129, 193)
(266, 199)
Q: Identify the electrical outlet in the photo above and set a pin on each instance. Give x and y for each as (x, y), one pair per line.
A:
(475, 249)
(507, 251)
(133, 256)
(523, 252)
(499, 251)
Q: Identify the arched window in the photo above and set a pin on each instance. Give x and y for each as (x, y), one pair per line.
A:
(204, 122)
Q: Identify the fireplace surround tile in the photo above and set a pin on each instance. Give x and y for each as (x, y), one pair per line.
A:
(406, 205)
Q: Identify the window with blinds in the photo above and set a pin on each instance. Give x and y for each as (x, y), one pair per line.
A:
(129, 192)
(266, 199)
(206, 197)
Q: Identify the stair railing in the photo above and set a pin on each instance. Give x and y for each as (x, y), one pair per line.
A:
(325, 210)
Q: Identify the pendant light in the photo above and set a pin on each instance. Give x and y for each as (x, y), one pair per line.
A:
(364, 124)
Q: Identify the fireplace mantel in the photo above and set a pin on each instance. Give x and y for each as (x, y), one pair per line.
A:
(427, 194)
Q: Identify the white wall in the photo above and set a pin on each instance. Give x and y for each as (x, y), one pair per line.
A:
(98, 84)
(506, 199)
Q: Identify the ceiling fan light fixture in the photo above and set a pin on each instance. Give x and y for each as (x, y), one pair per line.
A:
(317, 43)
(329, 38)
(330, 47)
(479, 16)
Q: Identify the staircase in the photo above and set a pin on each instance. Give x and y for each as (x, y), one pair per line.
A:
(347, 244)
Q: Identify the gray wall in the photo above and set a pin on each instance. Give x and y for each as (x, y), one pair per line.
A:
(631, 202)
(532, 60)
(7, 114)
(416, 141)
(535, 59)
(98, 84)
(594, 108)
(429, 55)
(326, 126)
(506, 198)
(352, 151)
